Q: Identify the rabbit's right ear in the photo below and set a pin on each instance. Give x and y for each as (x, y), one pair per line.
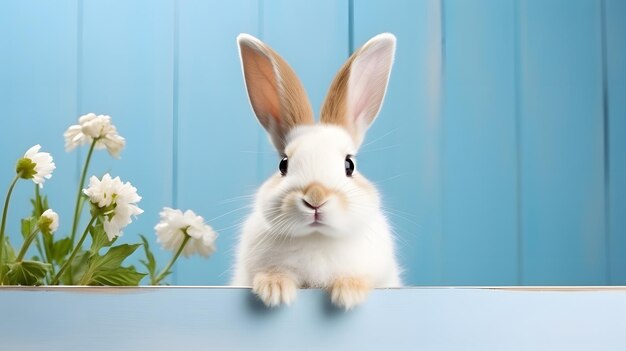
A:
(275, 92)
(358, 90)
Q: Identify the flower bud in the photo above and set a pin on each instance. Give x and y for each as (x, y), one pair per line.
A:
(35, 165)
(26, 168)
(48, 222)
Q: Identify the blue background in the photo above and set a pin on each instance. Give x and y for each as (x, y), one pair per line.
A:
(499, 150)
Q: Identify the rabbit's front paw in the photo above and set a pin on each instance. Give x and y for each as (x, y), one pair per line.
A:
(348, 292)
(274, 288)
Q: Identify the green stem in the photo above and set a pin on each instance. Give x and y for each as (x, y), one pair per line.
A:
(4, 222)
(48, 241)
(38, 212)
(26, 244)
(40, 249)
(38, 207)
(161, 275)
(74, 252)
(80, 190)
(79, 204)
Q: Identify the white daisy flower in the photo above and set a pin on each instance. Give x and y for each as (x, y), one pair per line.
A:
(113, 142)
(116, 200)
(48, 222)
(35, 165)
(92, 127)
(175, 224)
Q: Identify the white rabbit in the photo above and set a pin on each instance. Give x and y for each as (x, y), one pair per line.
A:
(317, 222)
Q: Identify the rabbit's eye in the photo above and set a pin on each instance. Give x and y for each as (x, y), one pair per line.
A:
(349, 163)
(282, 166)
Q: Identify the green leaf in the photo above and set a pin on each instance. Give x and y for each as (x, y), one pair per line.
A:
(79, 268)
(40, 203)
(9, 253)
(25, 227)
(114, 257)
(60, 249)
(150, 262)
(28, 226)
(120, 276)
(5, 270)
(99, 238)
(27, 272)
(102, 265)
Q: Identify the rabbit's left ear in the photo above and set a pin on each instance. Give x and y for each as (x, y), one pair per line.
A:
(275, 92)
(358, 90)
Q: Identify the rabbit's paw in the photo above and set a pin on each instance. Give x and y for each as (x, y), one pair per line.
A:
(346, 293)
(274, 288)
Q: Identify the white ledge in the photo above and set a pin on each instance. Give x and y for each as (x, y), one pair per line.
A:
(225, 318)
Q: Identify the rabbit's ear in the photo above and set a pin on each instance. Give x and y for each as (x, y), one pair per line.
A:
(275, 92)
(358, 90)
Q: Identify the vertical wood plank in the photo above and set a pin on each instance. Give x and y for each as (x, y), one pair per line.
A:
(402, 150)
(562, 143)
(127, 65)
(37, 100)
(615, 41)
(217, 133)
(479, 158)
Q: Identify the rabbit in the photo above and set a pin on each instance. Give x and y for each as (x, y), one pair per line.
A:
(316, 222)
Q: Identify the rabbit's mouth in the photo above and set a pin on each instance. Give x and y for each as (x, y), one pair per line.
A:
(317, 218)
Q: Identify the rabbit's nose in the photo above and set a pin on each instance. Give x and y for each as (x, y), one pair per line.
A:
(315, 195)
(313, 207)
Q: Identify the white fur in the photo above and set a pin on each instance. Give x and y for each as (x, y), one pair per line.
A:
(358, 241)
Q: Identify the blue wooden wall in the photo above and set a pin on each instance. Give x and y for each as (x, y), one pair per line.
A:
(499, 150)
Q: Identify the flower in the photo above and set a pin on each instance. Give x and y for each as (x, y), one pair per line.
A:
(35, 165)
(175, 224)
(48, 222)
(115, 200)
(92, 127)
